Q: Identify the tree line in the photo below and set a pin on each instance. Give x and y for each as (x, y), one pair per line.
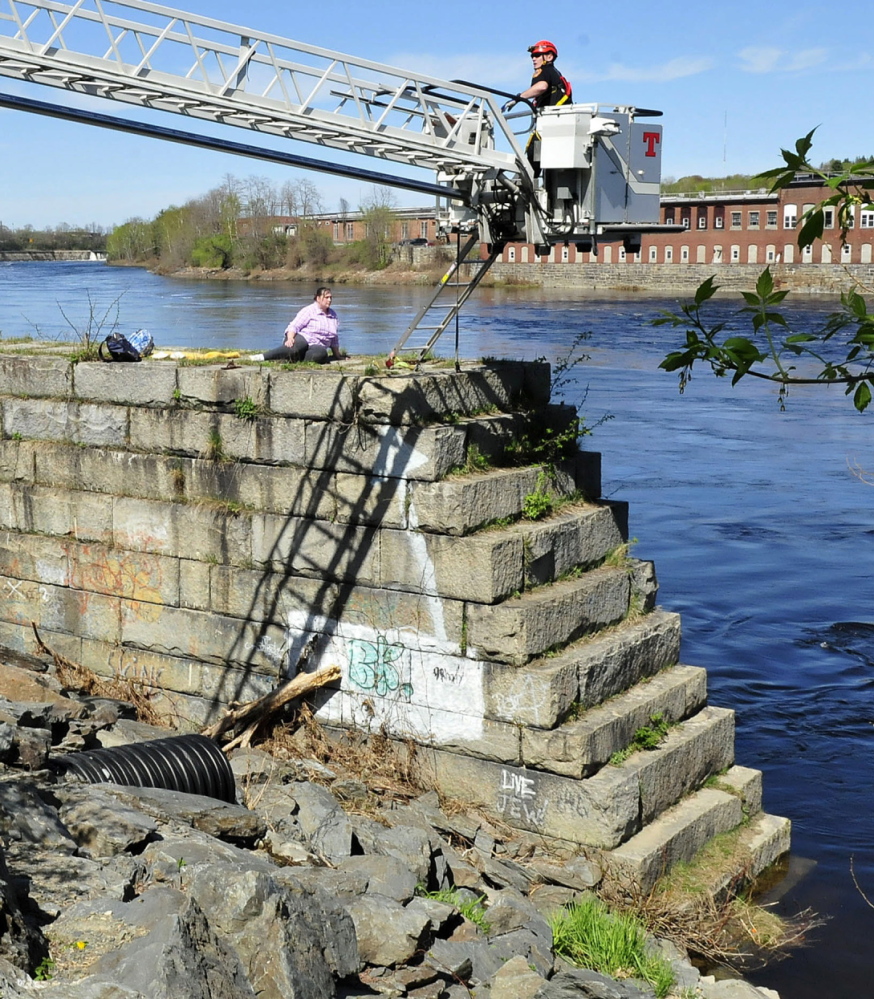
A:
(63, 237)
(234, 226)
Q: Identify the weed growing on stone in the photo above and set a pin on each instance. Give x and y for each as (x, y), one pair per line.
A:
(472, 909)
(246, 409)
(539, 503)
(589, 935)
(44, 970)
(646, 737)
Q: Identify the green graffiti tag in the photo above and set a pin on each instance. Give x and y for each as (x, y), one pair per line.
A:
(371, 667)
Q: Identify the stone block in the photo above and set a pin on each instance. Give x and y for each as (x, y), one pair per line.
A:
(746, 784)
(135, 575)
(196, 531)
(414, 399)
(538, 694)
(35, 557)
(37, 419)
(194, 584)
(84, 516)
(615, 661)
(464, 503)
(600, 812)
(483, 568)
(17, 461)
(106, 470)
(587, 474)
(314, 395)
(436, 702)
(103, 658)
(288, 490)
(174, 431)
(268, 440)
(369, 499)
(675, 836)
(35, 376)
(127, 384)
(218, 385)
(581, 747)
(189, 634)
(299, 547)
(262, 595)
(691, 752)
(427, 453)
(576, 536)
(523, 628)
(60, 609)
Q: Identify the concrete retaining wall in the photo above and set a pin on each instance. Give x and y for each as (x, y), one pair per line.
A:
(658, 279)
(197, 526)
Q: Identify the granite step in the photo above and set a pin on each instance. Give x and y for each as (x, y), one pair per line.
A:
(581, 747)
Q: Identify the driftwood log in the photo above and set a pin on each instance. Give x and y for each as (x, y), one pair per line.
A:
(245, 719)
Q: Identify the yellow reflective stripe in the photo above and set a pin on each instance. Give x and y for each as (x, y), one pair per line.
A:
(562, 100)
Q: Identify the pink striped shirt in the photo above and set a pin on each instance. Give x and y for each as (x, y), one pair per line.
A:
(316, 327)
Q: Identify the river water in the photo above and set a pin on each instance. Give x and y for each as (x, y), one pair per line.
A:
(762, 538)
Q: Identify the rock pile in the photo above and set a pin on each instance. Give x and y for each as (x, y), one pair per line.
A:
(110, 892)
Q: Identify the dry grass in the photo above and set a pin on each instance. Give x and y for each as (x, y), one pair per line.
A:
(390, 770)
(141, 689)
(719, 926)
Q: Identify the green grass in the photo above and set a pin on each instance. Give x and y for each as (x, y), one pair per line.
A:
(589, 935)
(472, 910)
(646, 737)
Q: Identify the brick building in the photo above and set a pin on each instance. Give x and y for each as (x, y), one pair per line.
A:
(350, 227)
(730, 227)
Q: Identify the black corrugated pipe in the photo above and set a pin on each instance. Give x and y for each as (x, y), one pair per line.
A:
(189, 763)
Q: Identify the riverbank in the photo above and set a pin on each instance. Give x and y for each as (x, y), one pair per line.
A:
(642, 279)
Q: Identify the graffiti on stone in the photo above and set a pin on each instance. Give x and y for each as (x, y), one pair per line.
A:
(517, 798)
(374, 666)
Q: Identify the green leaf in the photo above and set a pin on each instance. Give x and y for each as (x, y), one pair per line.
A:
(862, 396)
(706, 290)
(812, 229)
(765, 284)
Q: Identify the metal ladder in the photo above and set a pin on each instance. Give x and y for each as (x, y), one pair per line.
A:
(463, 291)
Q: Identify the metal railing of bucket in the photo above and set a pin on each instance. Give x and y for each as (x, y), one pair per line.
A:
(189, 763)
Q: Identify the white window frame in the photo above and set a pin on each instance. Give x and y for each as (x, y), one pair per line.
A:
(737, 220)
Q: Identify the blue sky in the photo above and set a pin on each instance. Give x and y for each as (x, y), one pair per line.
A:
(735, 82)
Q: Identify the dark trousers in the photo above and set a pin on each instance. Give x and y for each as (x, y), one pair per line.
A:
(301, 351)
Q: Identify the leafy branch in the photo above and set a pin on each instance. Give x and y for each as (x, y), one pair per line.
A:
(772, 351)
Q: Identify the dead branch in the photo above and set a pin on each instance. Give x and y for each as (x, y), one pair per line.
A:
(246, 719)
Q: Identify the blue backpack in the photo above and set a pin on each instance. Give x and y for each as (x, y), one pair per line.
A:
(121, 348)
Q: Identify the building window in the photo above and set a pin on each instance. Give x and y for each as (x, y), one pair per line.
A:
(405, 230)
(752, 254)
(669, 254)
(608, 254)
(511, 255)
(807, 254)
(719, 222)
(350, 231)
(336, 232)
(423, 229)
(735, 253)
(717, 254)
(622, 254)
(653, 254)
(701, 255)
(702, 221)
(565, 254)
(684, 254)
(669, 219)
(828, 218)
(826, 256)
(846, 253)
(735, 220)
(866, 220)
(771, 218)
(790, 216)
(770, 253)
(754, 220)
(686, 221)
